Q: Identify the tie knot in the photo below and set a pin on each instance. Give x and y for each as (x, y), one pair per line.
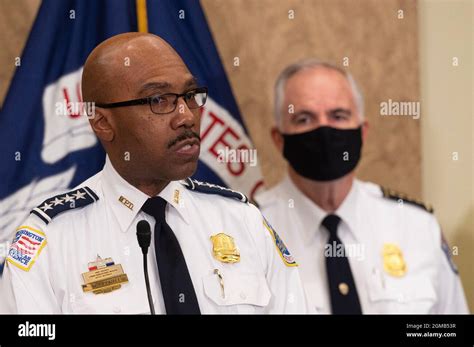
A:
(155, 207)
(331, 222)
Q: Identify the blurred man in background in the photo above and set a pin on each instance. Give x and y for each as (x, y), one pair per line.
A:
(361, 248)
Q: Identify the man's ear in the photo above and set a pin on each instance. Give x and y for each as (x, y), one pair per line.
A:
(101, 125)
(277, 139)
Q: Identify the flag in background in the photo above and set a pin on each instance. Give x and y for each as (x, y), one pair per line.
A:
(183, 24)
(47, 150)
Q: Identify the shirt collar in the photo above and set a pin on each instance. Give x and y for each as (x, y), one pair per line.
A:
(312, 214)
(307, 210)
(126, 200)
(348, 211)
(175, 195)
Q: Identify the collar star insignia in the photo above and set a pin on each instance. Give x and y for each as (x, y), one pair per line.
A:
(57, 202)
(79, 195)
(46, 207)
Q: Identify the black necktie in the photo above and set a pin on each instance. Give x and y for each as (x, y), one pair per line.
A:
(344, 298)
(176, 285)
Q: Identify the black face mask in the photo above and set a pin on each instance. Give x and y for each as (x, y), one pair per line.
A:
(325, 153)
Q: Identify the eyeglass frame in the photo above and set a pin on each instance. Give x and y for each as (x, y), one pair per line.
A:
(147, 100)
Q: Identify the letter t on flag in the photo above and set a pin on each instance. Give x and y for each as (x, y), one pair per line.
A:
(184, 25)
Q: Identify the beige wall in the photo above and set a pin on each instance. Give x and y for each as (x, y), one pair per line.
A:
(447, 125)
(16, 19)
(383, 57)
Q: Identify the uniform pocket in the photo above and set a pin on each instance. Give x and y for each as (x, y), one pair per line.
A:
(245, 291)
(121, 301)
(403, 295)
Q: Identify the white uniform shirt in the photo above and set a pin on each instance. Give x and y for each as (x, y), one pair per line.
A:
(368, 222)
(262, 282)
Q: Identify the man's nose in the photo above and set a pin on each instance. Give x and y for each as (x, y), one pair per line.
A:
(184, 117)
(323, 120)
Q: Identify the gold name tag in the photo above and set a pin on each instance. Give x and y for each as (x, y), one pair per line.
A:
(104, 280)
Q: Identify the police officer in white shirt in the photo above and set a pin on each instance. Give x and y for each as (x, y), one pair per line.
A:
(211, 251)
(361, 248)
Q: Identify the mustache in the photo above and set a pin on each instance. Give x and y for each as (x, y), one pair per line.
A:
(187, 134)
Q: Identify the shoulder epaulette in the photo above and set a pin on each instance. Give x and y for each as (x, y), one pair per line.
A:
(58, 204)
(390, 194)
(209, 188)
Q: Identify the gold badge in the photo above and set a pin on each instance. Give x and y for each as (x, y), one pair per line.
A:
(393, 262)
(224, 249)
(104, 276)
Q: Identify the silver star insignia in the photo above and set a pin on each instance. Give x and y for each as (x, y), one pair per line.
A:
(46, 207)
(79, 195)
(57, 202)
(68, 198)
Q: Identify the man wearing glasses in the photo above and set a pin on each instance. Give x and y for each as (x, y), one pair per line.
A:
(78, 252)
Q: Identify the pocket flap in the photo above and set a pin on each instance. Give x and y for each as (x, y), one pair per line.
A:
(239, 289)
(404, 290)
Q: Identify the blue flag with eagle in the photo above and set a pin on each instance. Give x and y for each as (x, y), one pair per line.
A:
(47, 144)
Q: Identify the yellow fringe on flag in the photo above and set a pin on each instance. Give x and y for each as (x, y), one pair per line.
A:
(142, 16)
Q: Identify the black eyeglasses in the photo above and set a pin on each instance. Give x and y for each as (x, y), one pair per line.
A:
(166, 103)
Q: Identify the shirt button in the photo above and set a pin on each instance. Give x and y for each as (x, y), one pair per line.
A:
(400, 298)
(243, 296)
(117, 309)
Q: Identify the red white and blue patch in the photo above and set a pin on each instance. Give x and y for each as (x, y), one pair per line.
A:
(100, 263)
(283, 251)
(26, 247)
